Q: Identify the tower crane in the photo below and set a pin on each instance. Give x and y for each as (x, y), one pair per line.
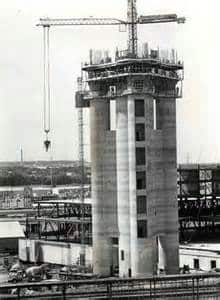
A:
(133, 20)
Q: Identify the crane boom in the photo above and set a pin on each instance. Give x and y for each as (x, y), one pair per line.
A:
(79, 21)
(132, 22)
(109, 21)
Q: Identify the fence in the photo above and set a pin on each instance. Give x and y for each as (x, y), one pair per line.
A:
(194, 287)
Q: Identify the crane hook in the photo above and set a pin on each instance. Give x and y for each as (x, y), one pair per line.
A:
(47, 143)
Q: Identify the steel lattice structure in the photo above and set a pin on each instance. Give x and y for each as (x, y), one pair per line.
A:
(199, 201)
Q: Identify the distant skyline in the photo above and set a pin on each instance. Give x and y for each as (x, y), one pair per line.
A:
(21, 72)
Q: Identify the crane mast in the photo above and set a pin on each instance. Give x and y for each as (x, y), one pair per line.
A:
(132, 27)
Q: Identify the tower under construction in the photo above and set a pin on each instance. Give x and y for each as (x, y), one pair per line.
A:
(134, 201)
(134, 184)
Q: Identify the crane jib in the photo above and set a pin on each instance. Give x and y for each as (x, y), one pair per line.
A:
(132, 21)
(80, 21)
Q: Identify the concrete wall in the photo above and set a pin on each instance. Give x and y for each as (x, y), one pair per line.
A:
(161, 181)
(147, 256)
(104, 186)
(52, 252)
(142, 255)
(170, 239)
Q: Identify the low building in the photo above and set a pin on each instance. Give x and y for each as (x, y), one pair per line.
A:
(60, 253)
(203, 257)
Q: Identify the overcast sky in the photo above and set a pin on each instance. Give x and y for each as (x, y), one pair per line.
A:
(21, 72)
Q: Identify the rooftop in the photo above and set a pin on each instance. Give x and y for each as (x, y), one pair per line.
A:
(213, 247)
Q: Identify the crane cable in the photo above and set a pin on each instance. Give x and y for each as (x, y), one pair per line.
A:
(46, 86)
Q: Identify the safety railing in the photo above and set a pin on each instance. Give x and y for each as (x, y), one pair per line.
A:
(198, 286)
(93, 76)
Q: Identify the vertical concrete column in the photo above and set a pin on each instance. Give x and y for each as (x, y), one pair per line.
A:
(147, 247)
(132, 185)
(123, 186)
(169, 240)
(102, 246)
(110, 187)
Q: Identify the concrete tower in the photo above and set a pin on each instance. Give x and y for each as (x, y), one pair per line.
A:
(134, 167)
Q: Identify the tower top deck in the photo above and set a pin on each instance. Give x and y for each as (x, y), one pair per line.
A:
(156, 63)
(155, 72)
(163, 58)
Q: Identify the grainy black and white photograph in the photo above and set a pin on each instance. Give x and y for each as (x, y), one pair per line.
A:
(110, 150)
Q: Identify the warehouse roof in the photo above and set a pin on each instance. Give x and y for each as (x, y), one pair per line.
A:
(212, 247)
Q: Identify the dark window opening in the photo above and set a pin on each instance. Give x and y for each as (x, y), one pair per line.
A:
(213, 264)
(122, 255)
(140, 156)
(115, 241)
(141, 180)
(140, 132)
(196, 263)
(154, 54)
(141, 205)
(82, 259)
(139, 108)
(142, 228)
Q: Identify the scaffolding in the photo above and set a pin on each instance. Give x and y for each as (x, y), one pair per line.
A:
(199, 201)
(61, 221)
